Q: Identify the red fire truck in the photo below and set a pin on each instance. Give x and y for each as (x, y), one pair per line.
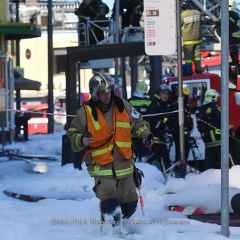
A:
(199, 83)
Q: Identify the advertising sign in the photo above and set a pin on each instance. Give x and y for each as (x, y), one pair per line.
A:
(160, 27)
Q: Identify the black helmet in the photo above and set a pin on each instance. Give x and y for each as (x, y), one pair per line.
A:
(100, 82)
(187, 4)
(164, 88)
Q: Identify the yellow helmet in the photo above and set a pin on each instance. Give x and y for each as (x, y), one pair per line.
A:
(186, 91)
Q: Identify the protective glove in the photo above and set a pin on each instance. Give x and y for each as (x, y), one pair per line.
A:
(137, 176)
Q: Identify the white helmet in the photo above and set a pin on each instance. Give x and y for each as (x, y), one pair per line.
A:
(211, 95)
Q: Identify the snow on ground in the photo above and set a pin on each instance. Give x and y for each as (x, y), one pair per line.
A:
(78, 217)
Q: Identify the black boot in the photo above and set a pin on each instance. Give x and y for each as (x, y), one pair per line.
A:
(128, 209)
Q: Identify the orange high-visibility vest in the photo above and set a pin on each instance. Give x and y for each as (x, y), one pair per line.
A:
(105, 139)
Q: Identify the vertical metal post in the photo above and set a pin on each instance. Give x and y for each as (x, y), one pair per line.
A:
(180, 82)
(204, 4)
(18, 91)
(156, 73)
(50, 69)
(224, 119)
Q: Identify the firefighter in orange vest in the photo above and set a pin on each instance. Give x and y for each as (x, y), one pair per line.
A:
(103, 127)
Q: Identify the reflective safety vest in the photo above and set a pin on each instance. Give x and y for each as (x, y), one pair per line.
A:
(101, 150)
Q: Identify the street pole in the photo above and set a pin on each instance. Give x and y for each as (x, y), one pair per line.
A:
(224, 119)
(50, 69)
(18, 91)
(180, 82)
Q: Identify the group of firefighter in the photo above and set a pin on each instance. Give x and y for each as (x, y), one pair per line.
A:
(161, 112)
(110, 133)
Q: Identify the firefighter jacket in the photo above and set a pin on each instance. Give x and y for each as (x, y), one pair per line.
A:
(165, 121)
(111, 152)
(209, 123)
(191, 26)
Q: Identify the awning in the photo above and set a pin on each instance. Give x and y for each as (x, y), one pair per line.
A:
(16, 30)
(26, 84)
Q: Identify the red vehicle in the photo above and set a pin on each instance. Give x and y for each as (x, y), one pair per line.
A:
(38, 123)
(199, 83)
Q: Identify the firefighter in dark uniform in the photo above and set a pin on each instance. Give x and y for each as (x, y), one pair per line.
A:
(161, 125)
(140, 101)
(191, 33)
(209, 125)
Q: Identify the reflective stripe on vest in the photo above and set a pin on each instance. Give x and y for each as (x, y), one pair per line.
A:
(123, 124)
(236, 34)
(97, 171)
(103, 150)
(95, 123)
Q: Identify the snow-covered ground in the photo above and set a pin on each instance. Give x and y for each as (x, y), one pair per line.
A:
(78, 217)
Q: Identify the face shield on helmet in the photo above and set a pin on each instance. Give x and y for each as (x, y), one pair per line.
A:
(211, 95)
(100, 82)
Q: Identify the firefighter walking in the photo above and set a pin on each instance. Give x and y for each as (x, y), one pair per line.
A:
(103, 127)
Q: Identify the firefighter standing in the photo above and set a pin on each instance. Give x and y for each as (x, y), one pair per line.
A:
(191, 33)
(209, 125)
(140, 101)
(162, 125)
(94, 10)
(103, 127)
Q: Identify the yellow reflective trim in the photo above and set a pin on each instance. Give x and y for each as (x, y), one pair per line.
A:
(97, 171)
(77, 140)
(140, 102)
(165, 120)
(236, 34)
(123, 144)
(217, 131)
(191, 42)
(124, 172)
(95, 123)
(102, 151)
(123, 124)
(212, 136)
